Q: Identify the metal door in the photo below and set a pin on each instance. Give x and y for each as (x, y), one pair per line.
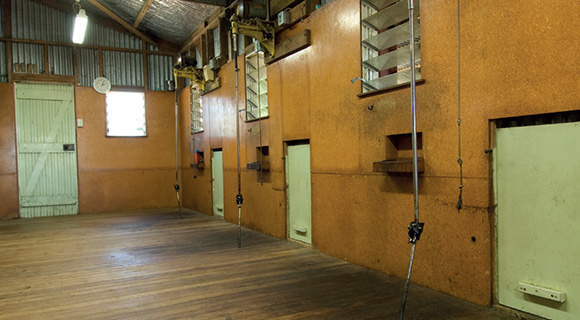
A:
(537, 177)
(46, 142)
(217, 176)
(298, 192)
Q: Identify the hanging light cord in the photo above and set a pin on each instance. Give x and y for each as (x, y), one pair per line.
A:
(459, 160)
(176, 185)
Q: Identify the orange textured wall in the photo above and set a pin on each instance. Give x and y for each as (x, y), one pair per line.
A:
(9, 207)
(119, 174)
(515, 60)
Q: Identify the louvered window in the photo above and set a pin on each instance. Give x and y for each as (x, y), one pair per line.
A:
(196, 111)
(256, 86)
(385, 43)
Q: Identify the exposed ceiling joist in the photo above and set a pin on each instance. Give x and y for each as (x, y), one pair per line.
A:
(122, 22)
(220, 3)
(142, 13)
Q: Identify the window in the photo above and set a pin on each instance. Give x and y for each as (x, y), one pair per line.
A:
(256, 85)
(196, 111)
(126, 114)
(385, 43)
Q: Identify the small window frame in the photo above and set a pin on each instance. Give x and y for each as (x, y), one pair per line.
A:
(120, 120)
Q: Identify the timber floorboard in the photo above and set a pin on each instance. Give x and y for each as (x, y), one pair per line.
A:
(155, 265)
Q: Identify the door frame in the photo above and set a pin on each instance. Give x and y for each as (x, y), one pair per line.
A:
(73, 87)
(493, 125)
(212, 181)
(286, 198)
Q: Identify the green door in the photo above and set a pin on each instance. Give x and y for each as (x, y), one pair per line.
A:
(298, 193)
(217, 177)
(537, 187)
(46, 143)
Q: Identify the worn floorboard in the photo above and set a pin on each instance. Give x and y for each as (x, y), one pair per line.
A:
(154, 265)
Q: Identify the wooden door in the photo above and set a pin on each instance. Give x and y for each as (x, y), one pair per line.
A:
(217, 176)
(299, 193)
(537, 187)
(46, 143)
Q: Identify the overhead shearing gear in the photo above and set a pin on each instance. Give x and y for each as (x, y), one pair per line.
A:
(251, 19)
(185, 68)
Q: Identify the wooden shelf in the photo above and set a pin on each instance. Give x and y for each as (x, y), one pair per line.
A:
(264, 165)
(399, 166)
(199, 166)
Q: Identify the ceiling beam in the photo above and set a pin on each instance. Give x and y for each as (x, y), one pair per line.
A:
(142, 13)
(219, 3)
(122, 22)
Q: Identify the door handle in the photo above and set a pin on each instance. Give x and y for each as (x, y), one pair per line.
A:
(68, 147)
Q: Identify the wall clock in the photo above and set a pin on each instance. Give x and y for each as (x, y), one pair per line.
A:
(102, 85)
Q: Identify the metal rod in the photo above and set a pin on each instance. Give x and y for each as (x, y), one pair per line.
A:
(406, 289)
(195, 155)
(176, 186)
(414, 146)
(239, 195)
(459, 160)
(260, 120)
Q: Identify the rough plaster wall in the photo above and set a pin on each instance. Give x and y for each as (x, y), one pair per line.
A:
(9, 207)
(119, 174)
(516, 60)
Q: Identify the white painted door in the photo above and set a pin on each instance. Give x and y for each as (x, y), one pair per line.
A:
(217, 176)
(537, 187)
(298, 193)
(46, 143)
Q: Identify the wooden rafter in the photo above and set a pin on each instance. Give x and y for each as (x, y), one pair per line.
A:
(142, 13)
(122, 22)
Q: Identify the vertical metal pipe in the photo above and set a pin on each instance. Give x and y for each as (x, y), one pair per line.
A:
(414, 110)
(239, 198)
(260, 119)
(407, 280)
(414, 146)
(176, 186)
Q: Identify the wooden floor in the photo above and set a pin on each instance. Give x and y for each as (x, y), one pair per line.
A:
(154, 265)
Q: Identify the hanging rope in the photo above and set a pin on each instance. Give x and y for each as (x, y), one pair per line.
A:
(416, 227)
(176, 185)
(239, 198)
(459, 160)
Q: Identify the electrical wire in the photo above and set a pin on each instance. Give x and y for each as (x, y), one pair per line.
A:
(459, 160)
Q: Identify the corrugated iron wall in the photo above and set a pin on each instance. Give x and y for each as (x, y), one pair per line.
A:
(88, 66)
(60, 60)
(151, 47)
(3, 67)
(123, 68)
(2, 19)
(100, 36)
(160, 69)
(27, 58)
(34, 21)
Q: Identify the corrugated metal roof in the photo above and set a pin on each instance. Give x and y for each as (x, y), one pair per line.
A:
(171, 20)
(175, 20)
